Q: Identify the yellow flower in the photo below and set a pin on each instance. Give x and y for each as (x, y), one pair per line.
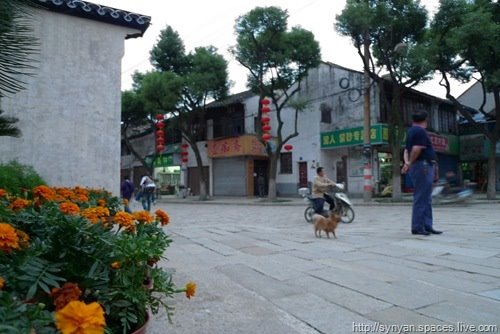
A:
(162, 216)
(23, 238)
(143, 217)
(116, 265)
(9, 239)
(190, 289)
(2, 283)
(18, 204)
(69, 208)
(101, 202)
(96, 214)
(80, 318)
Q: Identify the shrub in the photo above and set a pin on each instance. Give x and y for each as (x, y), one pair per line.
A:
(15, 178)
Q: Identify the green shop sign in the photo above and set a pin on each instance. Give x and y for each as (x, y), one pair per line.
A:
(164, 160)
(379, 134)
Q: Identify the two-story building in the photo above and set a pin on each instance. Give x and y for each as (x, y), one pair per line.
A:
(330, 135)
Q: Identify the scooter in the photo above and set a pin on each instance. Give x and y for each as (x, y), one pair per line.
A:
(343, 205)
(444, 194)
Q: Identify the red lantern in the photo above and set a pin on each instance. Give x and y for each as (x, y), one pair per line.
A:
(184, 145)
(288, 147)
(160, 117)
(265, 101)
(184, 159)
(160, 148)
(184, 154)
(160, 141)
(266, 128)
(160, 133)
(266, 109)
(266, 136)
(265, 120)
(160, 125)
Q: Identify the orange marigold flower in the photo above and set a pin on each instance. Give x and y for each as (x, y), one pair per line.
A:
(23, 238)
(80, 318)
(44, 192)
(116, 265)
(101, 202)
(66, 193)
(162, 216)
(143, 217)
(9, 239)
(18, 204)
(125, 220)
(2, 283)
(190, 289)
(69, 208)
(96, 214)
(3, 193)
(62, 296)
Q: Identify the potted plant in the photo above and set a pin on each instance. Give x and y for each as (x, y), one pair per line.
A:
(72, 261)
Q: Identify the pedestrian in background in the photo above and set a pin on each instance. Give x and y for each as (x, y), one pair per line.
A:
(148, 188)
(127, 189)
(420, 161)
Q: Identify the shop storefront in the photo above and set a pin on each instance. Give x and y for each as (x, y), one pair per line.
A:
(233, 164)
(474, 160)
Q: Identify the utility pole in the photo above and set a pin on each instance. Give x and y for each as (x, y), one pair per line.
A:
(367, 150)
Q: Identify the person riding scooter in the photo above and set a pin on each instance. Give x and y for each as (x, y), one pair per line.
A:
(319, 195)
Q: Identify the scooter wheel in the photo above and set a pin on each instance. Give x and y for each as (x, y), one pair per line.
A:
(347, 215)
(308, 213)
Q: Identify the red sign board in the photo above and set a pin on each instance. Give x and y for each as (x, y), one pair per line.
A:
(439, 143)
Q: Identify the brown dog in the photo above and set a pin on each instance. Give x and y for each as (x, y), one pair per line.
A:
(325, 224)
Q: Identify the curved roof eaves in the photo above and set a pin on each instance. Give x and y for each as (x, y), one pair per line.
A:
(92, 11)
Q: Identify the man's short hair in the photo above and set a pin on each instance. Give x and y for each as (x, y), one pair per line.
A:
(318, 170)
(419, 115)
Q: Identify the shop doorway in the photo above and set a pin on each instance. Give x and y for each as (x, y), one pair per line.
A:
(341, 168)
(260, 167)
(303, 175)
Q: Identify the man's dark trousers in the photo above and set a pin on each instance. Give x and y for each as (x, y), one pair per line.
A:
(422, 176)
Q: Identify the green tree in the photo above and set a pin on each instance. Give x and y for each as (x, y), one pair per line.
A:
(182, 85)
(395, 31)
(277, 59)
(464, 41)
(17, 46)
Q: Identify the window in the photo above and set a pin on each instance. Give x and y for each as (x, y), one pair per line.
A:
(326, 113)
(286, 163)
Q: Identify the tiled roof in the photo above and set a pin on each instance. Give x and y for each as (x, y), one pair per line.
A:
(92, 11)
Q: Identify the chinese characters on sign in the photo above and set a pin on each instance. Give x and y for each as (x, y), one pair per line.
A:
(439, 143)
(237, 146)
(379, 134)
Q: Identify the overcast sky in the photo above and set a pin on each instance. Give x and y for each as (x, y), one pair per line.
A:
(202, 23)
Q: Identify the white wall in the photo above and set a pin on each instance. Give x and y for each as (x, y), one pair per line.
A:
(70, 113)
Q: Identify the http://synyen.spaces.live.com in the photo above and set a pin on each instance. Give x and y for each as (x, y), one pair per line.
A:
(459, 327)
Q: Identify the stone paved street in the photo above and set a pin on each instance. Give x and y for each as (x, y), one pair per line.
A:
(259, 269)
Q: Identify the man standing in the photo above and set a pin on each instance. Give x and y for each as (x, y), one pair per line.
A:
(420, 161)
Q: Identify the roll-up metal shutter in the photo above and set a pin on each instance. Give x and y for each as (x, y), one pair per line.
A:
(229, 177)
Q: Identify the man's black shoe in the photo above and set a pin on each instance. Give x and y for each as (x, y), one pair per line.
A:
(433, 231)
(420, 232)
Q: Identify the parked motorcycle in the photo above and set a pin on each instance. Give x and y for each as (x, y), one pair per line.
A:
(343, 205)
(443, 193)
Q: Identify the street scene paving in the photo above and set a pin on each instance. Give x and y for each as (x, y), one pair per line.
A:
(260, 269)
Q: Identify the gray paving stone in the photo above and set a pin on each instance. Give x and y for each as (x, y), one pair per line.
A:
(320, 314)
(448, 249)
(495, 294)
(216, 246)
(464, 313)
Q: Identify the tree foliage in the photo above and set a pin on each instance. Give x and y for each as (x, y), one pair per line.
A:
(464, 41)
(277, 59)
(180, 86)
(396, 31)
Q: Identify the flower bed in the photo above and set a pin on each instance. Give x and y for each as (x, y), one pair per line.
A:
(72, 260)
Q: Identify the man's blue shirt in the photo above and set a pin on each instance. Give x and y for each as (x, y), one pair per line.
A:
(418, 136)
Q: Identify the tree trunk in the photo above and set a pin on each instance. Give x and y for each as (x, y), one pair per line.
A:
(492, 167)
(203, 182)
(273, 168)
(395, 138)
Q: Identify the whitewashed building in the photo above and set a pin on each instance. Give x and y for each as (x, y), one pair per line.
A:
(70, 112)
